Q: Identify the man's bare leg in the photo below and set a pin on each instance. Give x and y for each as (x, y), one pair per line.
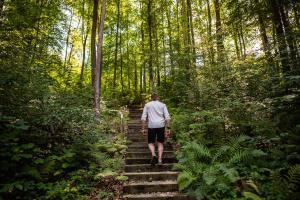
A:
(152, 149)
(160, 151)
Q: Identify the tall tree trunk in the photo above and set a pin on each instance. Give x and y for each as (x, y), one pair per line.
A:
(170, 43)
(243, 41)
(94, 55)
(143, 68)
(209, 33)
(84, 32)
(186, 39)
(127, 52)
(149, 11)
(98, 69)
(282, 48)
(116, 47)
(157, 63)
(164, 52)
(68, 40)
(264, 37)
(235, 39)
(219, 33)
(289, 36)
(191, 27)
(121, 65)
(135, 79)
(83, 57)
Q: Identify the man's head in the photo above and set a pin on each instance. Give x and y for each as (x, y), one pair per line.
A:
(154, 96)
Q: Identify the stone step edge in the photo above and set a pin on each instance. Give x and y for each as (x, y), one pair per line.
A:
(150, 173)
(155, 195)
(147, 183)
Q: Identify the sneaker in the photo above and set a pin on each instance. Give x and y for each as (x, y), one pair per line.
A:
(159, 163)
(154, 160)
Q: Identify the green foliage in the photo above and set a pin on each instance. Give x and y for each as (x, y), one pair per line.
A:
(216, 171)
(64, 162)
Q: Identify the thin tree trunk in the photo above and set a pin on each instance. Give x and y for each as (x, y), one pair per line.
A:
(280, 36)
(190, 14)
(127, 52)
(67, 40)
(219, 33)
(121, 65)
(94, 55)
(236, 44)
(149, 6)
(116, 47)
(84, 41)
(157, 63)
(164, 54)
(289, 36)
(243, 40)
(83, 57)
(135, 78)
(264, 37)
(170, 43)
(98, 69)
(143, 68)
(209, 33)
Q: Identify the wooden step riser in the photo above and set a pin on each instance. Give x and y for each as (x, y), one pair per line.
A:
(137, 140)
(152, 177)
(179, 197)
(133, 161)
(148, 155)
(145, 147)
(136, 189)
(147, 168)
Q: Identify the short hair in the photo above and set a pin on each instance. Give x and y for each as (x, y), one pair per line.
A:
(154, 96)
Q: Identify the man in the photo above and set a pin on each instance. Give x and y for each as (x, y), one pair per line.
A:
(158, 126)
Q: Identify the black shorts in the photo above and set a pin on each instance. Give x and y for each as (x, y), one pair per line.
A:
(154, 133)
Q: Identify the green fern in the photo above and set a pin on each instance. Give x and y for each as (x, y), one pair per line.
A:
(185, 179)
(294, 174)
(294, 178)
(240, 156)
(251, 196)
(230, 173)
(200, 151)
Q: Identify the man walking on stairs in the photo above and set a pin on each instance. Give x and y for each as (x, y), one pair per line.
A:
(158, 126)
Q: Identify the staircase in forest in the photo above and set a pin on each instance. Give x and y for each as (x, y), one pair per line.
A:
(148, 182)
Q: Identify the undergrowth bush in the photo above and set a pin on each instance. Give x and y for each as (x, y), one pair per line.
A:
(61, 154)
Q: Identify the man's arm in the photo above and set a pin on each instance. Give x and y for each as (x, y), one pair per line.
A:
(143, 119)
(167, 118)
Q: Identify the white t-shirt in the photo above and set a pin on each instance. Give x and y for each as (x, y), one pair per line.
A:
(157, 114)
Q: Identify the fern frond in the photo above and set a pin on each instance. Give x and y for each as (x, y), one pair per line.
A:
(239, 156)
(235, 142)
(210, 175)
(185, 179)
(250, 195)
(220, 152)
(200, 151)
(231, 173)
(179, 166)
(294, 174)
(294, 177)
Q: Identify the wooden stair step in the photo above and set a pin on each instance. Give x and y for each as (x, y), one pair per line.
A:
(152, 176)
(148, 168)
(154, 186)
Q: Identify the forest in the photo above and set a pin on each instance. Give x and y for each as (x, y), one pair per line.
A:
(228, 70)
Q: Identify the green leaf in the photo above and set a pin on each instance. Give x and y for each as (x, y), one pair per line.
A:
(251, 196)
(122, 178)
